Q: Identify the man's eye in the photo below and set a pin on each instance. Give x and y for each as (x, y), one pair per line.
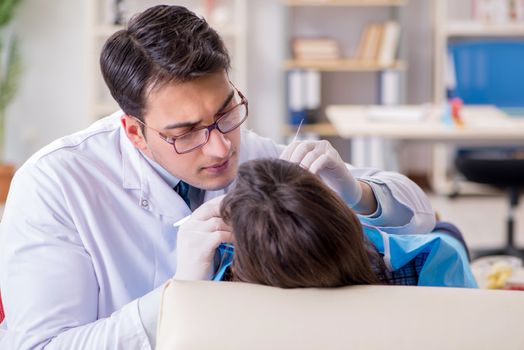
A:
(181, 131)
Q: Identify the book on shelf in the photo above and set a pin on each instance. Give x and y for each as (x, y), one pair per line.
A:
(315, 49)
(379, 43)
(369, 44)
(389, 44)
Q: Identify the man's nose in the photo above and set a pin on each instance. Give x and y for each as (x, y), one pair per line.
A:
(218, 144)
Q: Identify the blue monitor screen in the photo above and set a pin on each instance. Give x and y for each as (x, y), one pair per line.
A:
(489, 72)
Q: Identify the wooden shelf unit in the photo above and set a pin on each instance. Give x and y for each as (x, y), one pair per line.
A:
(347, 65)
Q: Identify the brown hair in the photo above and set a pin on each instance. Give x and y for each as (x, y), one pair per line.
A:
(160, 45)
(291, 230)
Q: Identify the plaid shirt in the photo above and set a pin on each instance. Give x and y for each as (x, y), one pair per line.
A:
(408, 274)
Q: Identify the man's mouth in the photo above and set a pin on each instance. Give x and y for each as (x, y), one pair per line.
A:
(219, 166)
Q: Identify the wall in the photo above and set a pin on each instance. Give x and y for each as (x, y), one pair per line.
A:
(52, 99)
(266, 53)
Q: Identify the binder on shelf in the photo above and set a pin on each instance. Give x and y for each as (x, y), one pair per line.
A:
(312, 89)
(303, 95)
(296, 101)
(389, 93)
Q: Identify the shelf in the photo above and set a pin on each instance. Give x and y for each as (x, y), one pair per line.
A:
(472, 28)
(341, 65)
(321, 129)
(345, 3)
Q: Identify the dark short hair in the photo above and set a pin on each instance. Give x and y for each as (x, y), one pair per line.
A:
(291, 230)
(161, 45)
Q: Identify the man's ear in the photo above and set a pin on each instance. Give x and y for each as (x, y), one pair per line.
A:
(134, 132)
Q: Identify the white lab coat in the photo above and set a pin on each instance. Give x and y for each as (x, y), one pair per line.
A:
(88, 229)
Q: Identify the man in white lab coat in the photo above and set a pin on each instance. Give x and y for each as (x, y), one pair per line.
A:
(88, 231)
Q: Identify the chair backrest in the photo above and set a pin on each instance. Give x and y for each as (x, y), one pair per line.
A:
(232, 315)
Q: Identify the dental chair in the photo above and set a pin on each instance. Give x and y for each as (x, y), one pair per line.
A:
(233, 315)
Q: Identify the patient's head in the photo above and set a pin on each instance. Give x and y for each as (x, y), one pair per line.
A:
(291, 230)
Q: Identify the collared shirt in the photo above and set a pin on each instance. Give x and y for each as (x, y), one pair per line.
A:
(408, 274)
(169, 178)
(196, 195)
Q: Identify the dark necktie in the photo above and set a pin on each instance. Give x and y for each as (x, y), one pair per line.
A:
(182, 189)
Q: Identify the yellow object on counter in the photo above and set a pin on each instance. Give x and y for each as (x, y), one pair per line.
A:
(498, 275)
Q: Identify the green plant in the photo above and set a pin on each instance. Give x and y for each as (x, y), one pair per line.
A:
(10, 62)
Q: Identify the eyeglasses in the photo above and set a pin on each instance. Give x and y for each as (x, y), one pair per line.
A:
(225, 122)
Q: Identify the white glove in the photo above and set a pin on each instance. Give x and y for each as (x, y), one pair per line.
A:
(320, 158)
(198, 239)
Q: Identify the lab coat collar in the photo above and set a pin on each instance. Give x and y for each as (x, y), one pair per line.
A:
(130, 163)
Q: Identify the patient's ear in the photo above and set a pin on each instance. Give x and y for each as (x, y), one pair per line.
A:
(134, 133)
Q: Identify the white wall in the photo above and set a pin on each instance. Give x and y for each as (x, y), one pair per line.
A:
(266, 53)
(52, 99)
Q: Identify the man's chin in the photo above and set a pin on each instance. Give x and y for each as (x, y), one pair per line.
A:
(218, 184)
(212, 181)
(215, 183)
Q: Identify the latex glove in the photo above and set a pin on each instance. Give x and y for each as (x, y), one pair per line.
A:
(322, 159)
(198, 239)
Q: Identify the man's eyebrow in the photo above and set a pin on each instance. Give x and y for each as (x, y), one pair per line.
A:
(226, 102)
(189, 124)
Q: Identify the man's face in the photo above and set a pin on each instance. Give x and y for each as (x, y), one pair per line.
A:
(177, 108)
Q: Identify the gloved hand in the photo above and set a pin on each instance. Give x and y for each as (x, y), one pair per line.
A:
(197, 240)
(322, 159)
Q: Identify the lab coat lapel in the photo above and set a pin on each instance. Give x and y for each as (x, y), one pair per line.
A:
(155, 195)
